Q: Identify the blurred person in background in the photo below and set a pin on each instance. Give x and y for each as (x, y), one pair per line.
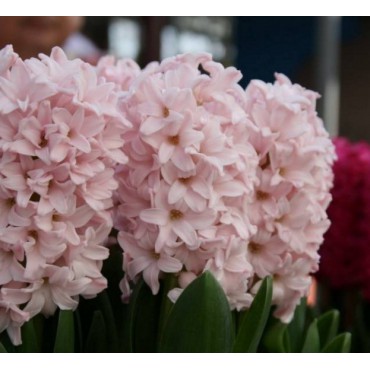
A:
(33, 35)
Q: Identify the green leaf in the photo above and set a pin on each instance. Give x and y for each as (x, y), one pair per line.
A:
(297, 326)
(311, 343)
(109, 319)
(79, 340)
(328, 324)
(168, 283)
(96, 341)
(143, 318)
(200, 320)
(30, 340)
(254, 320)
(276, 339)
(340, 344)
(2, 348)
(7, 344)
(64, 341)
(131, 317)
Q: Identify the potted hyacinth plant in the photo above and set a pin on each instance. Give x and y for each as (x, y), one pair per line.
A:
(164, 209)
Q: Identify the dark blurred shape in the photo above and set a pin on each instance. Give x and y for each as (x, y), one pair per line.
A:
(96, 29)
(151, 38)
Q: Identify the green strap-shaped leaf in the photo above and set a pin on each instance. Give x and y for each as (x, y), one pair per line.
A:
(2, 348)
(143, 318)
(311, 343)
(254, 320)
(129, 328)
(79, 339)
(276, 339)
(96, 341)
(168, 283)
(30, 341)
(7, 344)
(328, 324)
(297, 325)
(340, 344)
(64, 341)
(109, 319)
(200, 321)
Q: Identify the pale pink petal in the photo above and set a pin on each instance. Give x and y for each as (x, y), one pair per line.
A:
(58, 200)
(59, 151)
(231, 188)
(96, 252)
(81, 216)
(169, 264)
(195, 202)
(81, 143)
(190, 137)
(202, 220)
(150, 276)
(62, 299)
(155, 216)
(201, 187)
(71, 234)
(177, 191)
(165, 236)
(186, 232)
(237, 264)
(138, 265)
(15, 182)
(165, 152)
(182, 160)
(152, 125)
(17, 219)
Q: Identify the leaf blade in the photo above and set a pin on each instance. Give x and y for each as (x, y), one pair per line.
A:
(297, 326)
(200, 320)
(2, 348)
(30, 342)
(328, 325)
(96, 341)
(340, 344)
(311, 343)
(276, 339)
(254, 320)
(64, 340)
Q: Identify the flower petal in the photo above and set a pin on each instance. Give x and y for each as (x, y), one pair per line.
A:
(154, 216)
(186, 232)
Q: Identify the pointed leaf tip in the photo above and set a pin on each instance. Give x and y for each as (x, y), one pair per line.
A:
(254, 321)
(64, 341)
(200, 320)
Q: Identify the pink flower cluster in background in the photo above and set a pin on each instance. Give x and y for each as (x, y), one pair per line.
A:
(345, 253)
(60, 138)
(221, 179)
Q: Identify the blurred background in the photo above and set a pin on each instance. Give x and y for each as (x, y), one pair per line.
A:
(328, 54)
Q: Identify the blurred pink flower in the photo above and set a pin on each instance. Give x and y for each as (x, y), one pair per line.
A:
(345, 257)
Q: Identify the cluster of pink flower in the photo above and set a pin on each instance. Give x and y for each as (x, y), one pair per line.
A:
(295, 178)
(60, 137)
(345, 253)
(221, 179)
(209, 177)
